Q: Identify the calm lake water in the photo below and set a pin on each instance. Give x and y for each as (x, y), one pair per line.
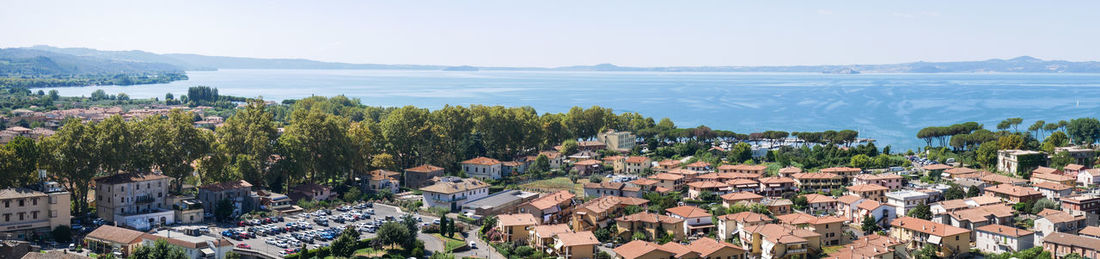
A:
(887, 107)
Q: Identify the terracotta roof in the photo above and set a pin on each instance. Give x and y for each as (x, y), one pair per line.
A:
(639, 248)
(779, 180)
(1054, 177)
(818, 198)
(1012, 190)
(698, 164)
(550, 154)
(869, 246)
(816, 176)
(667, 176)
(927, 227)
(11, 193)
(1004, 230)
(547, 231)
(982, 213)
(683, 172)
(425, 168)
(737, 196)
(648, 217)
(1002, 179)
(848, 199)
(578, 239)
(869, 205)
(986, 200)
(790, 170)
(707, 184)
(1057, 216)
(1052, 186)
(877, 177)
(799, 218)
(636, 159)
(644, 182)
(128, 178)
(521, 219)
(688, 211)
(551, 200)
(482, 161)
(217, 187)
(743, 167)
(866, 188)
(116, 234)
(680, 251)
(746, 216)
(1044, 170)
(841, 170)
(783, 234)
(936, 167)
(1074, 167)
(454, 185)
(1072, 240)
(382, 174)
(669, 162)
(959, 170)
(589, 162)
(736, 182)
(1090, 231)
(707, 246)
(604, 185)
(605, 203)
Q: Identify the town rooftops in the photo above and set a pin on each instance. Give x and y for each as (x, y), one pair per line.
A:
(790, 170)
(128, 178)
(1092, 231)
(737, 196)
(578, 239)
(742, 182)
(927, 227)
(521, 219)
(959, 170)
(907, 194)
(12, 193)
(801, 176)
(877, 177)
(783, 234)
(1074, 167)
(1054, 177)
(1072, 240)
(870, 246)
(116, 234)
(605, 203)
(667, 176)
(936, 167)
(604, 185)
(867, 188)
(669, 163)
(746, 216)
(636, 159)
(450, 185)
(644, 182)
(777, 180)
(688, 212)
(707, 184)
(553, 199)
(589, 162)
(481, 161)
(848, 199)
(706, 246)
(1057, 216)
(425, 168)
(222, 186)
(838, 170)
(743, 167)
(547, 231)
(382, 174)
(1012, 190)
(1052, 186)
(1004, 230)
(818, 198)
(1002, 179)
(982, 213)
(799, 218)
(870, 205)
(1044, 170)
(648, 217)
(698, 164)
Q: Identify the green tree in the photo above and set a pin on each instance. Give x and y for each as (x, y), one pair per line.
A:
(973, 191)
(569, 147)
(1011, 142)
(407, 131)
(250, 131)
(740, 152)
(1043, 203)
(921, 212)
(62, 234)
(542, 163)
(987, 154)
(394, 233)
(869, 224)
(71, 154)
(861, 161)
(345, 245)
(175, 144)
(1083, 130)
(318, 144)
(927, 252)
(223, 210)
(18, 162)
(1061, 159)
(954, 192)
(160, 250)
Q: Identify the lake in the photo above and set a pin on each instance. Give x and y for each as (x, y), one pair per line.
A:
(888, 107)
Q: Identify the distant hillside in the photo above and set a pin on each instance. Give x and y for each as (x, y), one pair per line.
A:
(1023, 64)
(37, 68)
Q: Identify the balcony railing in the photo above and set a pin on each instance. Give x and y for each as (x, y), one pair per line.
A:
(796, 251)
(144, 199)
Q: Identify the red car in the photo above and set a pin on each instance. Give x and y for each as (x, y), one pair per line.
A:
(243, 245)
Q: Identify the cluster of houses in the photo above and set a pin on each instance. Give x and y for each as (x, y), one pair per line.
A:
(52, 120)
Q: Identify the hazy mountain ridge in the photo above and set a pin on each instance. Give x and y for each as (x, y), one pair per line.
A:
(193, 62)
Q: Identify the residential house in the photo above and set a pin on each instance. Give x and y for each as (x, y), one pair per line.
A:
(710, 248)
(737, 223)
(1090, 231)
(515, 227)
(814, 182)
(778, 206)
(1089, 177)
(700, 248)
(194, 247)
(378, 180)
(818, 204)
(668, 164)
(281, 204)
(871, 246)
(1052, 190)
(557, 160)
(605, 188)
(776, 186)
(744, 185)
(575, 245)
(1045, 170)
(1003, 239)
(695, 219)
(237, 192)
(699, 166)
(452, 192)
(590, 146)
(881, 212)
(831, 228)
(110, 239)
(551, 208)
(509, 168)
(689, 175)
(188, 210)
(619, 141)
(757, 170)
(639, 249)
(1015, 161)
(916, 233)
(936, 169)
(1052, 221)
(973, 218)
(906, 200)
(311, 191)
(1082, 204)
(543, 235)
(421, 176)
(733, 198)
(789, 171)
(597, 212)
(34, 212)
(1013, 194)
(618, 163)
(848, 205)
(1072, 169)
(1082, 155)
(960, 172)
(713, 187)
(669, 181)
(847, 172)
(868, 191)
(1053, 178)
(650, 224)
(637, 164)
(1061, 245)
(482, 167)
(997, 179)
(774, 241)
(890, 181)
(134, 199)
(586, 167)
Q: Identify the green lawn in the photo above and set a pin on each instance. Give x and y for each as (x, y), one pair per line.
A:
(450, 244)
(557, 184)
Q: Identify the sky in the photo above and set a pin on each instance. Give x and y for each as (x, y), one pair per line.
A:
(562, 33)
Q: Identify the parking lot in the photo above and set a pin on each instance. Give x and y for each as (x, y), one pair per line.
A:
(309, 228)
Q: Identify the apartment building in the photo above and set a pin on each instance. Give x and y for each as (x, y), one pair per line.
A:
(814, 182)
(515, 227)
(452, 192)
(1003, 239)
(34, 212)
(650, 224)
(906, 200)
(776, 186)
(831, 228)
(1012, 193)
(134, 199)
(916, 233)
(422, 175)
(620, 141)
(868, 191)
(482, 167)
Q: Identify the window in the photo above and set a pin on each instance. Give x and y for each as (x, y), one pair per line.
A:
(20, 203)
(34, 214)
(21, 215)
(34, 202)
(7, 204)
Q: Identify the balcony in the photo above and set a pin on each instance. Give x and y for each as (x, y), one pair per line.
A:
(797, 251)
(144, 199)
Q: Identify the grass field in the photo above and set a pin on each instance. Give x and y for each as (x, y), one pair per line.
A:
(557, 184)
(368, 253)
(450, 244)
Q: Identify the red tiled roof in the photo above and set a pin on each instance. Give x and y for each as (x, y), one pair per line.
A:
(927, 227)
(482, 161)
(688, 211)
(425, 168)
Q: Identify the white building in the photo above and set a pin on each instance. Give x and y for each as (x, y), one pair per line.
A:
(905, 200)
(482, 167)
(452, 192)
(1001, 239)
(134, 199)
(1089, 177)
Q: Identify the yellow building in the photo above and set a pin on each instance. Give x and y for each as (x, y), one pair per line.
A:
(831, 228)
(576, 245)
(915, 233)
(868, 191)
(649, 224)
(814, 182)
(515, 227)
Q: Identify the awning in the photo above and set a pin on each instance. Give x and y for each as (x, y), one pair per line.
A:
(207, 251)
(934, 239)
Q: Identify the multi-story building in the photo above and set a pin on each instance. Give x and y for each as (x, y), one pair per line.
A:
(575, 245)
(1082, 204)
(380, 179)
(973, 218)
(757, 170)
(636, 164)
(1052, 221)
(831, 228)
(695, 219)
(848, 206)
(668, 164)
(773, 241)
(1053, 191)
(1013, 193)
(1053, 178)
(890, 181)
(669, 181)
(818, 204)
(776, 186)
(33, 212)
(699, 166)
(730, 199)
(906, 200)
(871, 246)
(1082, 155)
(482, 167)
(789, 171)
(134, 199)
(916, 233)
(881, 212)
(237, 192)
(697, 188)
(1017, 161)
(422, 175)
(778, 206)
(597, 212)
(514, 228)
(700, 248)
(1003, 239)
(552, 208)
(621, 141)
(650, 224)
(738, 223)
(847, 172)
(543, 235)
(814, 182)
(868, 191)
(744, 185)
(451, 192)
(1061, 245)
(1088, 177)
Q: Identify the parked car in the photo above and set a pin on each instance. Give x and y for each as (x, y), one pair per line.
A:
(243, 245)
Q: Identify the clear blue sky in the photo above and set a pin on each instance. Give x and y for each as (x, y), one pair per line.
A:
(557, 33)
